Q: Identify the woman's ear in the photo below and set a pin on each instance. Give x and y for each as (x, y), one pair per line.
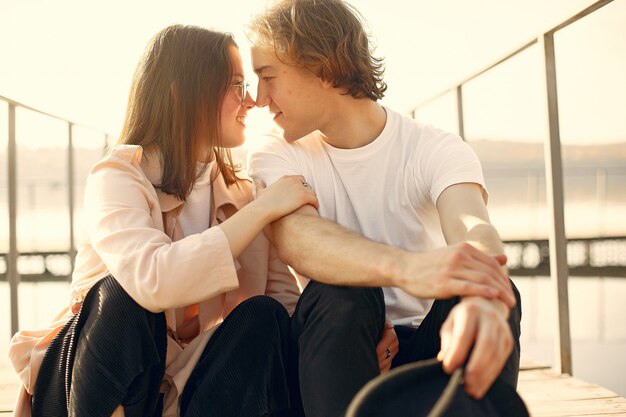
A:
(174, 90)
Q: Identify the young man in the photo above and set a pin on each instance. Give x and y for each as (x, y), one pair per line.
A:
(402, 207)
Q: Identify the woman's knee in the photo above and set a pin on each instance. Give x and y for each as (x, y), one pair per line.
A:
(108, 305)
(111, 296)
(261, 312)
(115, 325)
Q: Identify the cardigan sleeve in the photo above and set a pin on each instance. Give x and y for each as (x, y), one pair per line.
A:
(123, 220)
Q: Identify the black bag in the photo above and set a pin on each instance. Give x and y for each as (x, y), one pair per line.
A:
(424, 389)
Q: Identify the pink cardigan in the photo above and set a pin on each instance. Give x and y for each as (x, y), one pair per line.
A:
(133, 234)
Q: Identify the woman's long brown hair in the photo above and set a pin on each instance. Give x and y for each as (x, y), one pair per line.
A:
(175, 103)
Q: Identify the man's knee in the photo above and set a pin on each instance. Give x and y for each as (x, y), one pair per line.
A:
(345, 306)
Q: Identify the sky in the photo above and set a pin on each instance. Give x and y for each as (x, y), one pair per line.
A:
(75, 59)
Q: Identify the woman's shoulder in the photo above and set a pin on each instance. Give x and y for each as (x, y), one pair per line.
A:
(129, 158)
(130, 153)
(125, 157)
(123, 168)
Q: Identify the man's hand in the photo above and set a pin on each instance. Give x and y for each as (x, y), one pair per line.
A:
(482, 324)
(387, 348)
(460, 269)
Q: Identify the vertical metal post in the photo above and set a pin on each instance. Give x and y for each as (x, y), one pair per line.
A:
(459, 110)
(70, 181)
(13, 274)
(554, 185)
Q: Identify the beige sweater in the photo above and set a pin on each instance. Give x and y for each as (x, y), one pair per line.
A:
(133, 234)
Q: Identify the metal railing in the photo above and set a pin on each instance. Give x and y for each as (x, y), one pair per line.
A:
(557, 242)
(11, 258)
(588, 257)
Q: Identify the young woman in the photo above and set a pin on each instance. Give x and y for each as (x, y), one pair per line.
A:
(169, 311)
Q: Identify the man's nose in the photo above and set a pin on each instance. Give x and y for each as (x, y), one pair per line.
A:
(262, 99)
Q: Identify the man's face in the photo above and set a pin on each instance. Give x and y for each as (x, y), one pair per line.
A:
(293, 95)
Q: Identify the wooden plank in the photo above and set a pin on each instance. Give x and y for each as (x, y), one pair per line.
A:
(591, 407)
(544, 385)
(546, 394)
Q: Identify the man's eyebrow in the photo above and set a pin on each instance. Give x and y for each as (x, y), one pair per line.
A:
(261, 69)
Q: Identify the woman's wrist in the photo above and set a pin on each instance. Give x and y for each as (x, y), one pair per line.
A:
(261, 212)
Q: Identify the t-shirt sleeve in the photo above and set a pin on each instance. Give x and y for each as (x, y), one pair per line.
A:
(443, 159)
(270, 158)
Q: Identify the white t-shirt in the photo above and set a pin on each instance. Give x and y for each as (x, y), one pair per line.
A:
(386, 190)
(195, 217)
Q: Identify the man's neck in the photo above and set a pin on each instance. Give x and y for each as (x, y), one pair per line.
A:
(355, 123)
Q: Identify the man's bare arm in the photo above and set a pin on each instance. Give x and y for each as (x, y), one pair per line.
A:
(329, 253)
(474, 322)
(464, 218)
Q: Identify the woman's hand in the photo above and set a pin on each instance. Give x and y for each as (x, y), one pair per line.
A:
(287, 194)
(281, 198)
(387, 348)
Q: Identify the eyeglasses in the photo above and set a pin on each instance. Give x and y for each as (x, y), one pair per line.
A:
(243, 87)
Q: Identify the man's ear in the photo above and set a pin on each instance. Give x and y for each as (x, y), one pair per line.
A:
(327, 84)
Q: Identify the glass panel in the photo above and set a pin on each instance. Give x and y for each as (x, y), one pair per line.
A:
(88, 149)
(440, 112)
(505, 122)
(39, 302)
(42, 189)
(4, 181)
(507, 103)
(592, 104)
(591, 63)
(5, 296)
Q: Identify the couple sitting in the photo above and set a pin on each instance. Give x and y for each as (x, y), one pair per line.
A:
(179, 303)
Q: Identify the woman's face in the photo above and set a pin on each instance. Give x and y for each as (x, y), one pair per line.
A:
(234, 111)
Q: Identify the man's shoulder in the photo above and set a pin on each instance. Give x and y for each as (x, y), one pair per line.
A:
(416, 129)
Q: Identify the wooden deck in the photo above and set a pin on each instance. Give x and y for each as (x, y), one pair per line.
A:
(546, 394)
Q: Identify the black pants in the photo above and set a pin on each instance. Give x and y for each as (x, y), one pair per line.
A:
(336, 331)
(113, 351)
(244, 369)
(256, 364)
